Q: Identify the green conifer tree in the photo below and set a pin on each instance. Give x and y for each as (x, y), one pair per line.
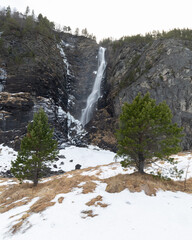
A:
(37, 148)
(146, 131)
(27, 11)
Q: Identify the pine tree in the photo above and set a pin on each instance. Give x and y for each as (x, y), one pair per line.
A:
(37, 148)
(27, 10)
(84, 32)
(146, 131)
(77, 31)
(8, 12)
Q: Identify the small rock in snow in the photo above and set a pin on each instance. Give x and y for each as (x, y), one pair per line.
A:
(78, 166)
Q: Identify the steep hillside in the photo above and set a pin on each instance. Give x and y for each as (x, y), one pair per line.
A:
(40, 67)
(162, 67)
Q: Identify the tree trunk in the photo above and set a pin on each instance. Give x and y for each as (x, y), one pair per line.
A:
(35, 182)
(35, 178)
(141, 163)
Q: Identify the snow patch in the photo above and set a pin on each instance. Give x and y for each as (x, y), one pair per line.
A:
(3, 74)
(108, 171)
(75, 127)
(7, 155)
(3, 77)
(65, 44)
(63, 55)
(183, 164)
(86, 157)
(71, 100)
(68, 158)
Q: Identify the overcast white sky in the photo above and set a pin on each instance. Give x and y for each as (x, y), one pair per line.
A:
(112, 18)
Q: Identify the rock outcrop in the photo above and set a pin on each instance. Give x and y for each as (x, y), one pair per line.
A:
(49, 72)
(163, 68)
(81, 63)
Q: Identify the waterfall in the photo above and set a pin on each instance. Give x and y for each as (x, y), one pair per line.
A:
(92, 99)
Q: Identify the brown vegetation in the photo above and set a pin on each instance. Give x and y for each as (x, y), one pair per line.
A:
(144, 182)
(97, 201)
(60, 200)
(183, 153)
(88, 213)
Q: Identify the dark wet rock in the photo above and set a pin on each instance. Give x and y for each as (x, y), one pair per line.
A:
(52, 173)
(37, 76)
(6, 174)
(82, 54)
(77, 166)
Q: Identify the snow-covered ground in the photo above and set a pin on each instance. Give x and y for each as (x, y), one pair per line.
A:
(134, 216)
(6, 156)
(93, 156)
(68, 158)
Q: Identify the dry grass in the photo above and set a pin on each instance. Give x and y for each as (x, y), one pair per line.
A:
(183, 153)
(144, 182)
(60, 200)
(18, 225)
(88, 213)
(94, 200)
(97, 201)
(89, 187)
(12, 195)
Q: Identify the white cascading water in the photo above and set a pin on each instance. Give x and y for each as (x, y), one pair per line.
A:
(3, 76)
(96, 91)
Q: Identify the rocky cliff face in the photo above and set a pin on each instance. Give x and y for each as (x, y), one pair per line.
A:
(38, 71)
(163, 68)
(81, 63)
(58, 73)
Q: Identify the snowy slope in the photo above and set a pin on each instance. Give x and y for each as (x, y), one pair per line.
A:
(124, 215)
(128, 215)
(68, 158)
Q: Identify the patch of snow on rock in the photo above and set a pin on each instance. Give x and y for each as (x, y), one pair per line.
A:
(63, 55)
(3, 74)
